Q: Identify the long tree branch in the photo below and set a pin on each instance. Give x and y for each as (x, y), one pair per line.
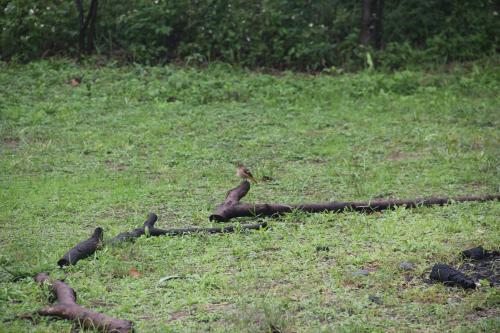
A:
(148, 229)
(231, 207)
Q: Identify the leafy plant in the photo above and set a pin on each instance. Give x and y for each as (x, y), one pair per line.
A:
(304, 35)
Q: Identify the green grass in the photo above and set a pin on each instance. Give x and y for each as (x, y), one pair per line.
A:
(133, 140)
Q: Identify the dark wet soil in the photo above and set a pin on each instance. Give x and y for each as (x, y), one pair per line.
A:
(487, 268)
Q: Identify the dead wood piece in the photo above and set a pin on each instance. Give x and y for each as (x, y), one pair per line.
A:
(450, 276)
(148, 229)
(212, 230)
(136, 233)
(66, 308)
(83, 249)
(231, 207)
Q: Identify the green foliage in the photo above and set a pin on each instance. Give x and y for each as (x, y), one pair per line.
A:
(440, 31)
(33, 29)
(305, 35)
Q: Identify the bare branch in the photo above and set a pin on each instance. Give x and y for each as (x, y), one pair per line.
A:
(232, 207)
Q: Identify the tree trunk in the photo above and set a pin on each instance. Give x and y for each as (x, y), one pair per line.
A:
(81, 27)
(86, 24)
(92, 17)
(371, 23)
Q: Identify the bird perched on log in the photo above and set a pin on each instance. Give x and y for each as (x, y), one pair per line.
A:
(243, 172)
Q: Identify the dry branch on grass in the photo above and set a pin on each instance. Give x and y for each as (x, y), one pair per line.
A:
(231, 207)
(67, 308)
(149, 229)
(83, 249)
(87, 247)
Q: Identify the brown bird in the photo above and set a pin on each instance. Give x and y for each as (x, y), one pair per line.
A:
(75, 82)
(243, 172)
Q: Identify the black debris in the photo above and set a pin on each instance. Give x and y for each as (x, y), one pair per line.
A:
(450, 276)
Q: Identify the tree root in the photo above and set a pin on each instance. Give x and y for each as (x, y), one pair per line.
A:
(231, 207)
(67, 308)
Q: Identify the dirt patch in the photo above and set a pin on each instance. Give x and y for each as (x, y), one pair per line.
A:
(115, 166)
(118, 212)
(271, 249)
(371, 267)
(401, 155)
(477, 145)
(101, 304)
(11, 143)
(224, 307)
(475, 187)
(483, 269)
(481, 313)
(178, 315)
(216, 307)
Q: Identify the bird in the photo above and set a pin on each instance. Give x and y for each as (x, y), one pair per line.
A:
(75, 82)
(243, 172)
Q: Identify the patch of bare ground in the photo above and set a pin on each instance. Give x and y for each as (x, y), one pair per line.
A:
(481, 313)
(11, 142)
(115, 166)
(475, 187)
(117, 212)
(222, 307)
(101, 304)
(401, 155)
(477, 145)
(179, 315)
(484, 269)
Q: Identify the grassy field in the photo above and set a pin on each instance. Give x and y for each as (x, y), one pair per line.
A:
(133, 140)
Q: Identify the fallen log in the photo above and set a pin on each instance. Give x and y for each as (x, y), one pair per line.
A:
(231, 207)
(83, 249)
(67, 308)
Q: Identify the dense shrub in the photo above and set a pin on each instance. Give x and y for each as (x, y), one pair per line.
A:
(32, 29)
(306, 35)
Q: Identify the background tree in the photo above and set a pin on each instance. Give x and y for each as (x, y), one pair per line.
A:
(87, 26)
(371, 23)
(304, 35)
